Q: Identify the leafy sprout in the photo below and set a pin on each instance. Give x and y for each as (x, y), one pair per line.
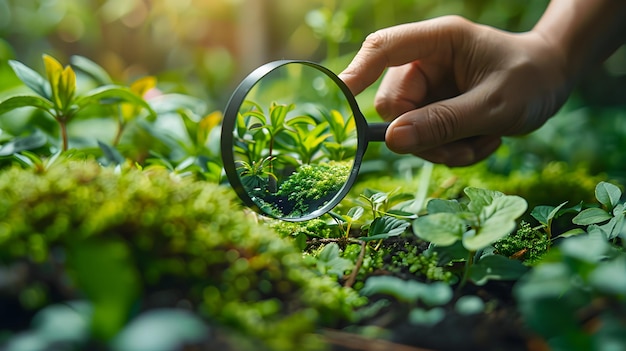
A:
(56, 94)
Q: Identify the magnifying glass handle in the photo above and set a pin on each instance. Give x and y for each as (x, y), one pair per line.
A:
(377, 131)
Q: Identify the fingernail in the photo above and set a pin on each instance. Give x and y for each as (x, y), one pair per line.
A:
(402, 138)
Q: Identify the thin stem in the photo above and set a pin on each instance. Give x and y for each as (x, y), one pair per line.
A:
(357, 266)
(468, 265)
(63, 127)
(118, 135)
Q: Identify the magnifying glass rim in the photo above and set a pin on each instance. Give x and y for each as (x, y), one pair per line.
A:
(230, 117)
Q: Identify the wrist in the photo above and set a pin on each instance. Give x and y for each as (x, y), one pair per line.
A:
(582, 33)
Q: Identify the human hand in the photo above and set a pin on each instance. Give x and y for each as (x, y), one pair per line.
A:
(453, 88)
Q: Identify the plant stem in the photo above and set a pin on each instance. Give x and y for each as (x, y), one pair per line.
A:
(63, 127)
(468, 265)
(118, 135)
(357, 266)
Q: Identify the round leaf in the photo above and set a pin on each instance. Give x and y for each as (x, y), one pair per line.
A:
(440, 228)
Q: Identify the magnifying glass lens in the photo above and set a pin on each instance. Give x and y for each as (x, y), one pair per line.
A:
(292, 140)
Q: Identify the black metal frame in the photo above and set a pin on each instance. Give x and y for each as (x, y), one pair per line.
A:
(365, 134)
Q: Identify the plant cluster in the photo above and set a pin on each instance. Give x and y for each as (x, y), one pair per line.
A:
(422, 264)
(94, 114)
(123, 242)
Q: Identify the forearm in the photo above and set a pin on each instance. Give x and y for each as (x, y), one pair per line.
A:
(584, 31)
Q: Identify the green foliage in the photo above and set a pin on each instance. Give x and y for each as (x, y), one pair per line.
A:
(424, 300)
(580, 284)
(157, 232)
(425, 264)
(526, 244)
(611, 214)
(312, 185)
(56, 94)
(486, 218)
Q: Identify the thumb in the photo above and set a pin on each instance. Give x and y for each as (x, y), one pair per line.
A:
(467, 115)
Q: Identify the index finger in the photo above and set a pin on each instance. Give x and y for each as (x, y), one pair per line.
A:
(395, 46)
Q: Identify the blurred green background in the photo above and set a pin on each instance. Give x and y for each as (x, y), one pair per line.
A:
(204, 47)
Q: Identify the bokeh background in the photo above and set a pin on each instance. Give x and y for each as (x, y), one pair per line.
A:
(204, 47)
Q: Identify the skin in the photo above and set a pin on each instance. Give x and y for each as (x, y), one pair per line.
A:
(454, 88)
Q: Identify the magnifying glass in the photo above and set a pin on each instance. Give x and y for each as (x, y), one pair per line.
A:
(293, 139)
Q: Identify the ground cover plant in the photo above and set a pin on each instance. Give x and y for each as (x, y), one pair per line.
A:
(137, 233)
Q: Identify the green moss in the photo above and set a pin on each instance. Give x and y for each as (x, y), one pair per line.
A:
(420, 264)
(185, 237)
(314, 185)
(525, 244)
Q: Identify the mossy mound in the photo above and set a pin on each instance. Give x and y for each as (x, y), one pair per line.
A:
(170, 241)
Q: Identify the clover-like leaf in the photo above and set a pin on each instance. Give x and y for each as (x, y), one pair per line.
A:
(440, 228)
(497, 220)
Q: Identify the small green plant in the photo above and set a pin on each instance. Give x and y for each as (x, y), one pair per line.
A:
(611, 212)
(486, 218)
(57, 95)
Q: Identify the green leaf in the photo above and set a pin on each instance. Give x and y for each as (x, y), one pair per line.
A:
(355, 213)
(440, 228)
(92, 69)
(33, 141)
(74, 316)
(480, 198)
(496, 267)
(469, 305)
(173, 103)
(448, 206)
(31, 79)
(610, 277)
(385, 227)
(434, 294)
(437, 294)
(402, 290)
(572, 232)
(545, 214)
(608, 194)
(330, 262)
(112, 94)
(111, 154)
(591, 216)
(497, 220)
(589, 248)
(169, 329)
(105, 273)
(16, 102)
(422, 317)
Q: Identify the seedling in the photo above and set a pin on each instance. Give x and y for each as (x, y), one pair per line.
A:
(56, 94)
(485, 219)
